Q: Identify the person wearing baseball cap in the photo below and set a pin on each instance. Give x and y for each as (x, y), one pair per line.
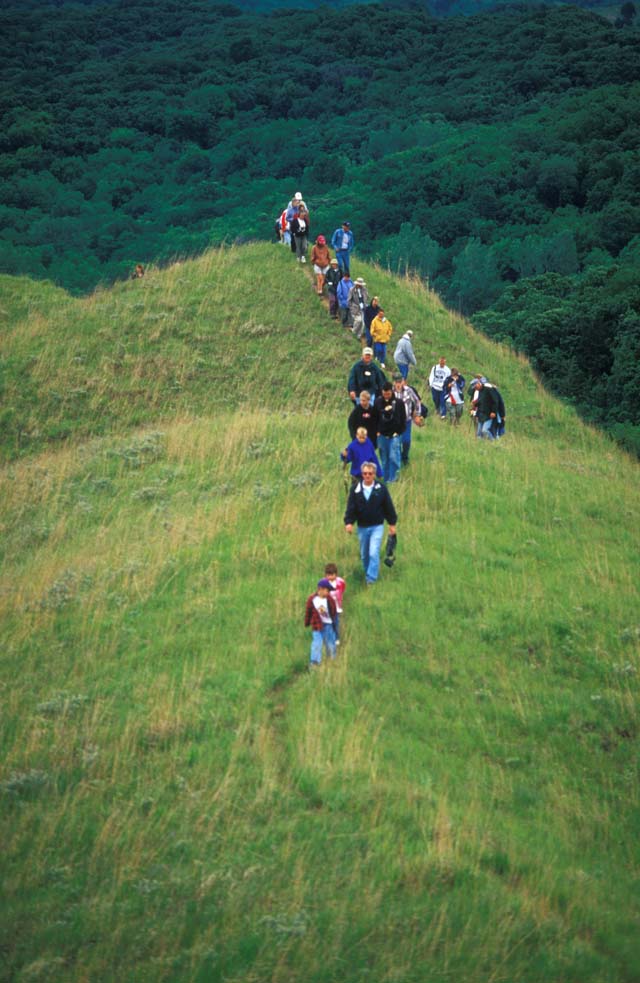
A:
(404, 356)
(343, 242)
(294, 206)
(365, 374)
(320, 615)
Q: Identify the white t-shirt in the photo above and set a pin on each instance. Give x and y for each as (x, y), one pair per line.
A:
(437, 376)
(322, 607)
(455, 396)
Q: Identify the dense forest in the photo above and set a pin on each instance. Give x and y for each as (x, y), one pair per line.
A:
(496, 155)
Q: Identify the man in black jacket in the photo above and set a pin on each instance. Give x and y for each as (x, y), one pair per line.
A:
(502, 413)
(392, 420)
(368, 505)
(487, 406)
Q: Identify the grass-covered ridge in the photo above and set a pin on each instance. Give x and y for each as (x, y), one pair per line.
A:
(145, 348)
(455, 799)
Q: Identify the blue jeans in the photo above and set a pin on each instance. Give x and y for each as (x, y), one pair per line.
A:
(327, 637)
(380, 351)
(390, 457)
(405, 443)
(342, 255)
(486, 429)
(370, 542)
(438, 395)
(403, 370)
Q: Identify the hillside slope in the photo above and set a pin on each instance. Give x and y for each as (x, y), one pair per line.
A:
(456, 798)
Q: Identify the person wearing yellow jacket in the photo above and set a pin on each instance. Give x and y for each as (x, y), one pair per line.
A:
(381, 331)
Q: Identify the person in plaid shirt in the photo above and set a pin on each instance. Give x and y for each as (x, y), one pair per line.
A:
(320, 614)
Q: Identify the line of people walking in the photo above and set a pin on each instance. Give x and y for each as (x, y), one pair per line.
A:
(383, 414)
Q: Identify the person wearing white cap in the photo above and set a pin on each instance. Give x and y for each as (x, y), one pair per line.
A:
(404, 356)
(294, 206)
(365, 374)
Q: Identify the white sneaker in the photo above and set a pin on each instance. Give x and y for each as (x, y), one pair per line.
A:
(302, 259)
(382, 365)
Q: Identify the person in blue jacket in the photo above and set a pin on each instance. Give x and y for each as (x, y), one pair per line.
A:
(342, 294)
(360, 449)
(343, 242)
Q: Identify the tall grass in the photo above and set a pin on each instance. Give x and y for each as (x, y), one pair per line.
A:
(455, 798)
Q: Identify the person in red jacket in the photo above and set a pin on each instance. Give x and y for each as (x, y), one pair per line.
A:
(338, 587)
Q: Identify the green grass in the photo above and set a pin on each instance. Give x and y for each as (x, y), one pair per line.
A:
(456, 798)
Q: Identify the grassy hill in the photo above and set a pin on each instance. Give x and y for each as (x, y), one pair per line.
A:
(456, 798)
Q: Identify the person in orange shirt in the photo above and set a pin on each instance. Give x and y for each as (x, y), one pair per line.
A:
(321, 261)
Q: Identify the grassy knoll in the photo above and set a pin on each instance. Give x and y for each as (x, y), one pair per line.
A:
(456, 798)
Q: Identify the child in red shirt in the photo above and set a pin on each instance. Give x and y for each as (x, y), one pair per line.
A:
(338, 587)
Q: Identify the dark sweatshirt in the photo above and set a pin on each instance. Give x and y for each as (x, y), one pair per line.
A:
(366, 376)
(368, 419)
(392, 416)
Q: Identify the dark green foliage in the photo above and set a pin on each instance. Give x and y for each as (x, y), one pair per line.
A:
(583, 335)
(479, 152)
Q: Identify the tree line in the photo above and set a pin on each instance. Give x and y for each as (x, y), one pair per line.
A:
(495, 155)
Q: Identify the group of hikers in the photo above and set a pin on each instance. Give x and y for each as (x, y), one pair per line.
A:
(383, 414)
